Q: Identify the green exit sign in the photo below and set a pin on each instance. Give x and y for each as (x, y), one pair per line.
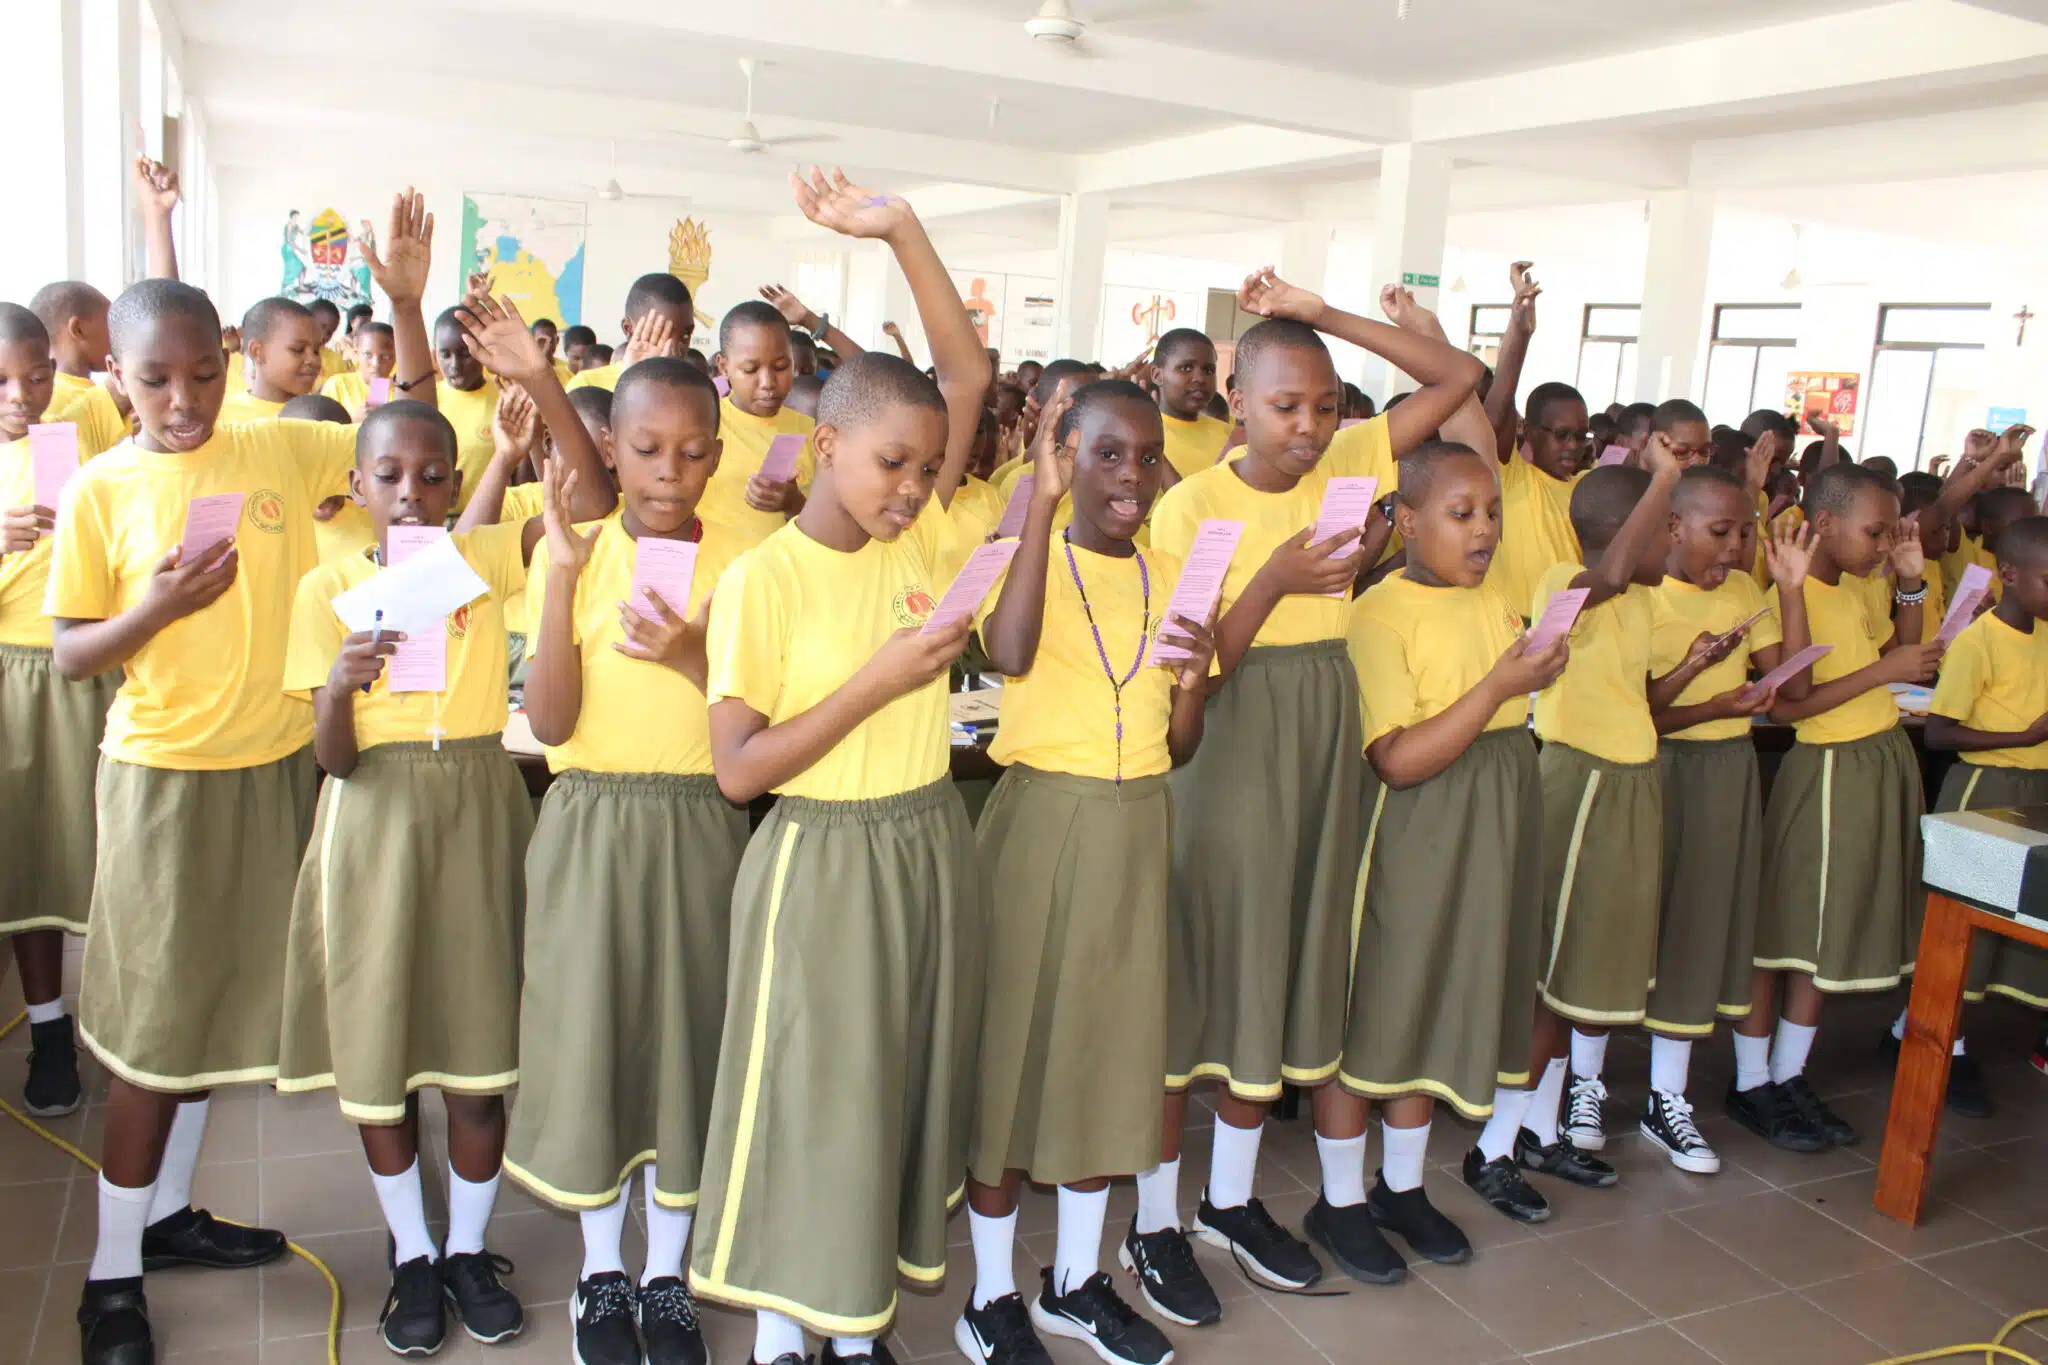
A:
(1410, 278)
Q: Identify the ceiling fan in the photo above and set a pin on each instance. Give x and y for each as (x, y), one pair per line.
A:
(1056, 24)
(747, 139)
(611, 192)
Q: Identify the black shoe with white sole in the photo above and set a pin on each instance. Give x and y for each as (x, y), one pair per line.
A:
(999, 1333)
(1499, 1182)
(415, 1317)
(1167, 1275)
(1409, 1215)
(668, 1324)
(1585, 1115)
(1563, 1159)
(1266, 1250)
(1667, 1123)
(603, 1311)
(1091, 1312)
(487, 1310)
(52, 1089)
(1349, 1236)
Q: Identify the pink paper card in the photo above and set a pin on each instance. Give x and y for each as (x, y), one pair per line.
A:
(420, 663)
(380, 392)
(1614, 455)
(1200, 586)
(1012, 524)
(980, 573)
(210, 520)
(668, 567)
(406, 541)
(779, 464)
(1352, 422)
(1558, 615)
(53, 456)
(1347, 502)
(1784, 672)
(722, 384)
(1962, 609)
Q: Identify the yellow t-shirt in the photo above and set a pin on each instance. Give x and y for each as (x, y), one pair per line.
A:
(25, 573)
(604, 377)
(247, 407)
(334, 362)
(101, 426)
(1192, 447)
(473, 705)
(1936, 605)
(1838, 616)
(746, 446)
(348, 532)
(978, 507)
(351, 389)
(238, 374)
(1418, 649)
(1061, 716)
(1995, 678)
(1970, 551)
(563, 374)
(1599, 704)
(794, 620)
(637, 717)
(1271, 518)
(1535, 530)
(471, 413)
(1681, 613)
(522, 504)
(206, 692)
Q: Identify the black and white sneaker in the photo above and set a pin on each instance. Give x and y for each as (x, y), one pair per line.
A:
(1585, 1115)
(52, 1089)
(1806, 1101)
(668, 1324)
(877, 1354)
(487, 1310)
(1564, 1160)
(415, 1320)
(1499, 1182)
(1667, 1122)
(1092, 1312)
(999, 1333)
(1163, 1266)
(602, 1310)
(1264, 1248)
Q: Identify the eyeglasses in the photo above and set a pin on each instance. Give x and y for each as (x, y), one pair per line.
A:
(1693, 454)
(1567, 436)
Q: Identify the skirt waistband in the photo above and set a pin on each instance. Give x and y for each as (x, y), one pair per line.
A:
(697, 785)
(1269, 656)
(1605, 765)
(1091, 788)
(1896, 734)
(872, 810)
(1703, 746)
(37, 654)
(423, 751)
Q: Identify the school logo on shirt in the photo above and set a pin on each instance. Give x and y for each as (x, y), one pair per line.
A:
(458, 622)
(913, 607)
(266, 510)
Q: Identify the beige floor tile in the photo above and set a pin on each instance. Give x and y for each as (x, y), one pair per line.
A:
(308, 1196)
(546, 1250)
(1535, 1297)
(1869, 1110)
(296, 1298)
(1666, 1266)
(26, 1158)
(1251, 1331)
(924, 1322)
(246, 1353)
(201, 1310)
(33, 1215)
(2005, 1184)
(231, 1128)
(1373, 1323)
(306, 1125)
(1848, 1200)
(2010, 1275)
(363, 1347)
(1905, 1309)
(1649, 1184)
(1786, 1240)
(1781, 1330)
(1742, 1150)
(21, 1304)
(1645, 1346)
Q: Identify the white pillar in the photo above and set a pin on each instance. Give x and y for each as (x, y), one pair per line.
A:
(1408, 239)
(111, 57)
(1077, 299)
(1674, 296)
(44, 238)
(1305, 253)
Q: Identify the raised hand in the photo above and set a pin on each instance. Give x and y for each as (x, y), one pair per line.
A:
(1052, 463)
(514, 426)
(401, 271)
(1757, 464)
(890, 329)
(1978, 444)
(792, 308)
(1266, 295)
(651, 335)
(500, 339)
(2012, 444)
(156, 185)
(231, 340)
(1522, 313)
(1908, 559)
(1788, 554)
(1818, 423)
(1658, 455)
(23, 526)
(566, 548)
(852, 210)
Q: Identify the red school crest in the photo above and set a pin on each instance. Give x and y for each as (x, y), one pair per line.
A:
(913, 607)
(458, 622)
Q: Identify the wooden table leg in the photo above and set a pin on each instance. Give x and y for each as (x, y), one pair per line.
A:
(1920, 1088)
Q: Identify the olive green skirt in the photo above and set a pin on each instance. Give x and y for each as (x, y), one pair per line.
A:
(839, 1128)
(1267, 831)
(1447, 931)
(1713, 870)
(403, 966)
(1841, 895)
(1603, 828)
(52, 728)
(628, 911)
(1073, 1020)
(1997, 964)
(191, 908)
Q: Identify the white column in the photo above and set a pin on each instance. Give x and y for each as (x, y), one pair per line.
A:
(1305, 253)
(1077, 300)
(111, 57)
(1408, 239)
(44, 241)
(1674, 295)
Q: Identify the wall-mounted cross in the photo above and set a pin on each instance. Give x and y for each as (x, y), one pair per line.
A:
(2023, 317)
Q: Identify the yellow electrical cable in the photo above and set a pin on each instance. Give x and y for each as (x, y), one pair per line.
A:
(333, 1285)
(1994, 1350)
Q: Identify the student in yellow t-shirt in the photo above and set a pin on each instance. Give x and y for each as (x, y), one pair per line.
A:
(549, 336)
(1536, 492)
(1075, 839)
(824, 689)
(754, 360)
(75, 315)
(341, 527)
(468, 397)
(282, 340)
(1184, 366)
(659, 320)
(977, 506)
(377, 357)
(576, 343)
(1264, 870)
(333, 360)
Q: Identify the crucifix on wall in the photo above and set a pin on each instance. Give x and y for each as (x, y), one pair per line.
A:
(2023, 317)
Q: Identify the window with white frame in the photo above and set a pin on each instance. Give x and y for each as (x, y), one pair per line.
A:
(1608, 353)
(1926, 381)
(1749, 358)
(1489, 326)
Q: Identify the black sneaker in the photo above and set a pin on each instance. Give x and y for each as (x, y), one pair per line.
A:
(1499, 1182)
(1263, 1247)
(1351, 1238)
(603, 1313)
(1667, 1122)
(790, 1358)
(2038, 1059)
(668, 1323)
(1564, 1160)
(1409, 1215)
(1092, 1312)
(195, 1237)
(1766, 1111)
(1585, 1115)
(1967, 1096)
(999, 1333)
(487, 1310)
(52, 1089)
(1164, 1267)
(876, 1354)
(113, 1324)
(1799, 1092)
(414, 1320)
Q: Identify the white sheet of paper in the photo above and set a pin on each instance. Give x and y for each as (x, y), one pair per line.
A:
(53, 455)
(1558, 615)
(779, 464)
(668, 567)
(414, 596)
(210, 520)
(1015, 509)
(976, 577)
(1962, 608)
(1778, 676)
(1200, 586)
(419, 664)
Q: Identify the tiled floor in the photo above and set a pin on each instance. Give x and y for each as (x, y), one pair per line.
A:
(1780, 1258)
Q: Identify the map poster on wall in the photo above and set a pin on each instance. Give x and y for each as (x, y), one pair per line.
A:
(321, 261)
(531, 248)
(1822, 392)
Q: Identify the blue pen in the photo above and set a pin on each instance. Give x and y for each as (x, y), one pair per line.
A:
(376, 638)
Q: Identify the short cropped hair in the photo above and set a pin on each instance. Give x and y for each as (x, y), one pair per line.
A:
(593, 401)
(869, 386)
(147, 302)
(1091, 396)
(56, 304)
(1420, 467)
(319, 306)
(313, 407)
(405, 410)
(1603, 498)
(2024, 541)
(652, 291)
(1273, 336)
(1668, 415)
(1177, 339)
(1544, 396)
(1769, 419)
(664, 372)
(751, 313)
(579, 335)
(266, 315)
(1049, 377)
(1701, 480)
(18, 324)
(1835, 489)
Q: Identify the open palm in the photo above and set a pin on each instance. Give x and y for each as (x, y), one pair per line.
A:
(401, 269)
(835, 202)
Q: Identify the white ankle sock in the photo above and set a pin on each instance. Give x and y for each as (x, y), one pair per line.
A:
(1343, 1161)
(181, 1159)
(1752, 1061)
(1898, 1032)
(1589, 1055)
(405, 1213)
(1159, 1198)
(124, 1212)
(1545, 1103)
(1670, 1060)
(853, 1346)
(1789, 1048)
(469, 1210)
(602, 1229)
(45, 1012)
(668, 1232)
(1232, 1162)
(1402, 1151)
(776, 1335)
(1077, 1254)
(995, 1271)
(1497, 1138)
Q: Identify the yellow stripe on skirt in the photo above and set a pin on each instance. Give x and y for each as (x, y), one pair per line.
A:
(1712, 874)
(1603, 828)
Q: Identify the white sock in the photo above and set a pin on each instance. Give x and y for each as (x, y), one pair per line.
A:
(995, 1273)
(469, 1209)
(1497, 1138)
(45, 1012)
(1401, 1155)
(181, 1159)
(124, 1212)
(1546, 1102)
(1589, 1055)
(1232, 1161)
(1898, 1031)
(1789, 1049)
(668, 1231)
(1159, 1198)
(1752, 1061)
(405, 1213)
(1957, 1050)
(776, 1335)
(853, 1346)
(1670, 1060)
(1077, 1255)
(1343, 1170)
(602, 1229)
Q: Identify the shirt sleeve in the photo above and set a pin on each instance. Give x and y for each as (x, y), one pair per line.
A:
(1387, 695)
(495, 553)
(316, 636)
(745, 647)
(1174, 523)
(82, 586)
(324, 452)
(1964, 670)
(1366, 450)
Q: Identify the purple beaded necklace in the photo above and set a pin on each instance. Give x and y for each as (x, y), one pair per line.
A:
(1116, 685)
